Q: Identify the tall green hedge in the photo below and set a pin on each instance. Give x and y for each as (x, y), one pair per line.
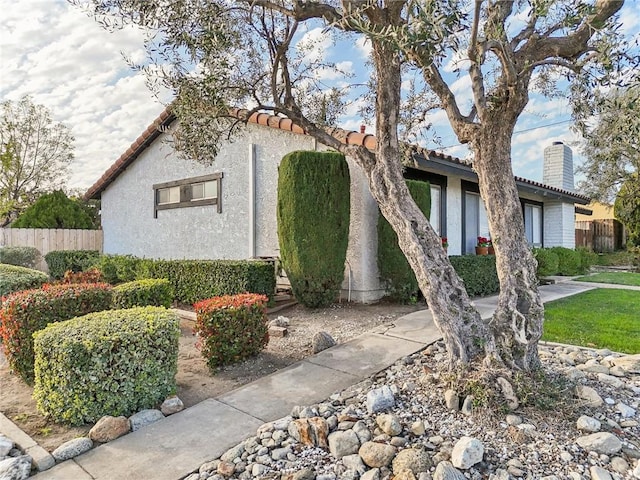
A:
(478, 272)
(394, 269)
(313, 223)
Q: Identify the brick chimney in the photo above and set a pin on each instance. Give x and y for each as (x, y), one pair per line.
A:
(558, 166)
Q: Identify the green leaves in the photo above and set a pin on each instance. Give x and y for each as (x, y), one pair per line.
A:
(106, 363)
(141, 293)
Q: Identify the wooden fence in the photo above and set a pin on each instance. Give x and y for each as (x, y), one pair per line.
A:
(47, 240)
(600, 235)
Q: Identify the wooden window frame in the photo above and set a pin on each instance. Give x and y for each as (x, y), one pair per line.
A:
(185, 193)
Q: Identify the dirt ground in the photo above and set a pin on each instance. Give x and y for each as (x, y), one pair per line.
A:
(195, 382)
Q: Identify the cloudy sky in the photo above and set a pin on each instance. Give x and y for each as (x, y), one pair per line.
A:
(68, 63)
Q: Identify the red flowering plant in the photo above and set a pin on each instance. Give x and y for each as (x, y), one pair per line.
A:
(231, 327)
(445, 242)
(484, 242)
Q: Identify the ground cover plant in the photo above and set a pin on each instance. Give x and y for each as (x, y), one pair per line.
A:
(618, 278)
(602, 318)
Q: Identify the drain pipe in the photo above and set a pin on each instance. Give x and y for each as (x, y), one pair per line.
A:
(252, 200)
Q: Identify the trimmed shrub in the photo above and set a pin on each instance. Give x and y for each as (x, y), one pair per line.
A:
(106, 363)
(568, 261)
(587, 259)
(195, 280)
(547, 262)
(121, 268)
(478, 273)
(59, 261)
(26, 312)
(141, 293)
(395, 272)
(13, 278)
(89, 276)
(28, 257)
(313, 223)
(231, 328)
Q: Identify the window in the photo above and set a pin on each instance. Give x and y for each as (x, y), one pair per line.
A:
(438, 184)
(168, 195)
(436, 208)
(533, 223)
(189, 192)
(475, 218)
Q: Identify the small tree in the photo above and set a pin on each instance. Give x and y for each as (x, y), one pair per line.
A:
(54, 210)
(627, 207)
(313, 224)
(35, 152)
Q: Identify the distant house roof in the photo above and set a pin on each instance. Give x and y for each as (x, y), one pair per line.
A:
(422, 157)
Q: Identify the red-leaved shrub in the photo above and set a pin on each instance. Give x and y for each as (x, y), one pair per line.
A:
(231, 327)
(26, 312)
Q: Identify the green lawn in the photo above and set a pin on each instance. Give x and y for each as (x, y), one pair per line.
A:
(602, 318)
(619, 278)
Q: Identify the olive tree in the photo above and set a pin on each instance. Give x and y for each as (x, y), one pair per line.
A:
(219, 54)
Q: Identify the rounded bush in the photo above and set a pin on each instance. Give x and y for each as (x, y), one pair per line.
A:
(26, 312)
(141, 293)
(568, 261)
(587, 259)
(28, 257)
(14, 279)
(60, 261)
(548, 261)
(231, 328)
(114, 363)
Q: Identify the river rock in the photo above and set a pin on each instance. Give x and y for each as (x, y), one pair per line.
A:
(377, 454)
(625, 410)
(599, 473)
(373, 474)
(601, 442)
(588, 424)
(389, 424)
(321, 341)
(467, 452)
(589, 395)
(171, 405)
(144, 418)
(6, 445)
(72, 448)
(629, 363)
(343, 443)
(412, 459)
(109, 428)
(452, 400)
(312, 431)
(15, 468)
(446, 471)
(380, 399)
(508, 393)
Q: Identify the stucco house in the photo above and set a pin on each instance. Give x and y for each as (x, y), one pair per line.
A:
(155, 205)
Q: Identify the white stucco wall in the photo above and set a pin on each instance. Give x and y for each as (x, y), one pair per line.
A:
(202, 233)
(454, 215)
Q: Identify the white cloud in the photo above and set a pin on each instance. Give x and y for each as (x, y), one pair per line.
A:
(68, 63)
(314, 44)
(364, 47)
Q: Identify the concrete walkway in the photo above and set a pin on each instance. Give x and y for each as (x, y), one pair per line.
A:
(176, 446)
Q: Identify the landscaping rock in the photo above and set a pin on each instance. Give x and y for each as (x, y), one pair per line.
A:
(144, 418)
(414, 460)
(321, 341)
(109, 428)
(599, 473)
(380, 399)
(343, 443)
(377, 454)
(452, 400)
(625, 410)
(72, 448)
(6, 445)
(508, 393)
(389, 424)
(601, 442)
(588, 424)
(311, 431)
(15, 468)
(589, 395)
(278, 332)
(446, 471)
(171, 405)
(373, 474)
(629, 363)
(467, 452)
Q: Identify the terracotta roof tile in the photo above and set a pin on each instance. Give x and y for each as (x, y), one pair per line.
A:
(277, 122)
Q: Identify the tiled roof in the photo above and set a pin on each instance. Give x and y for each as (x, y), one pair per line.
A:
(281, 123)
